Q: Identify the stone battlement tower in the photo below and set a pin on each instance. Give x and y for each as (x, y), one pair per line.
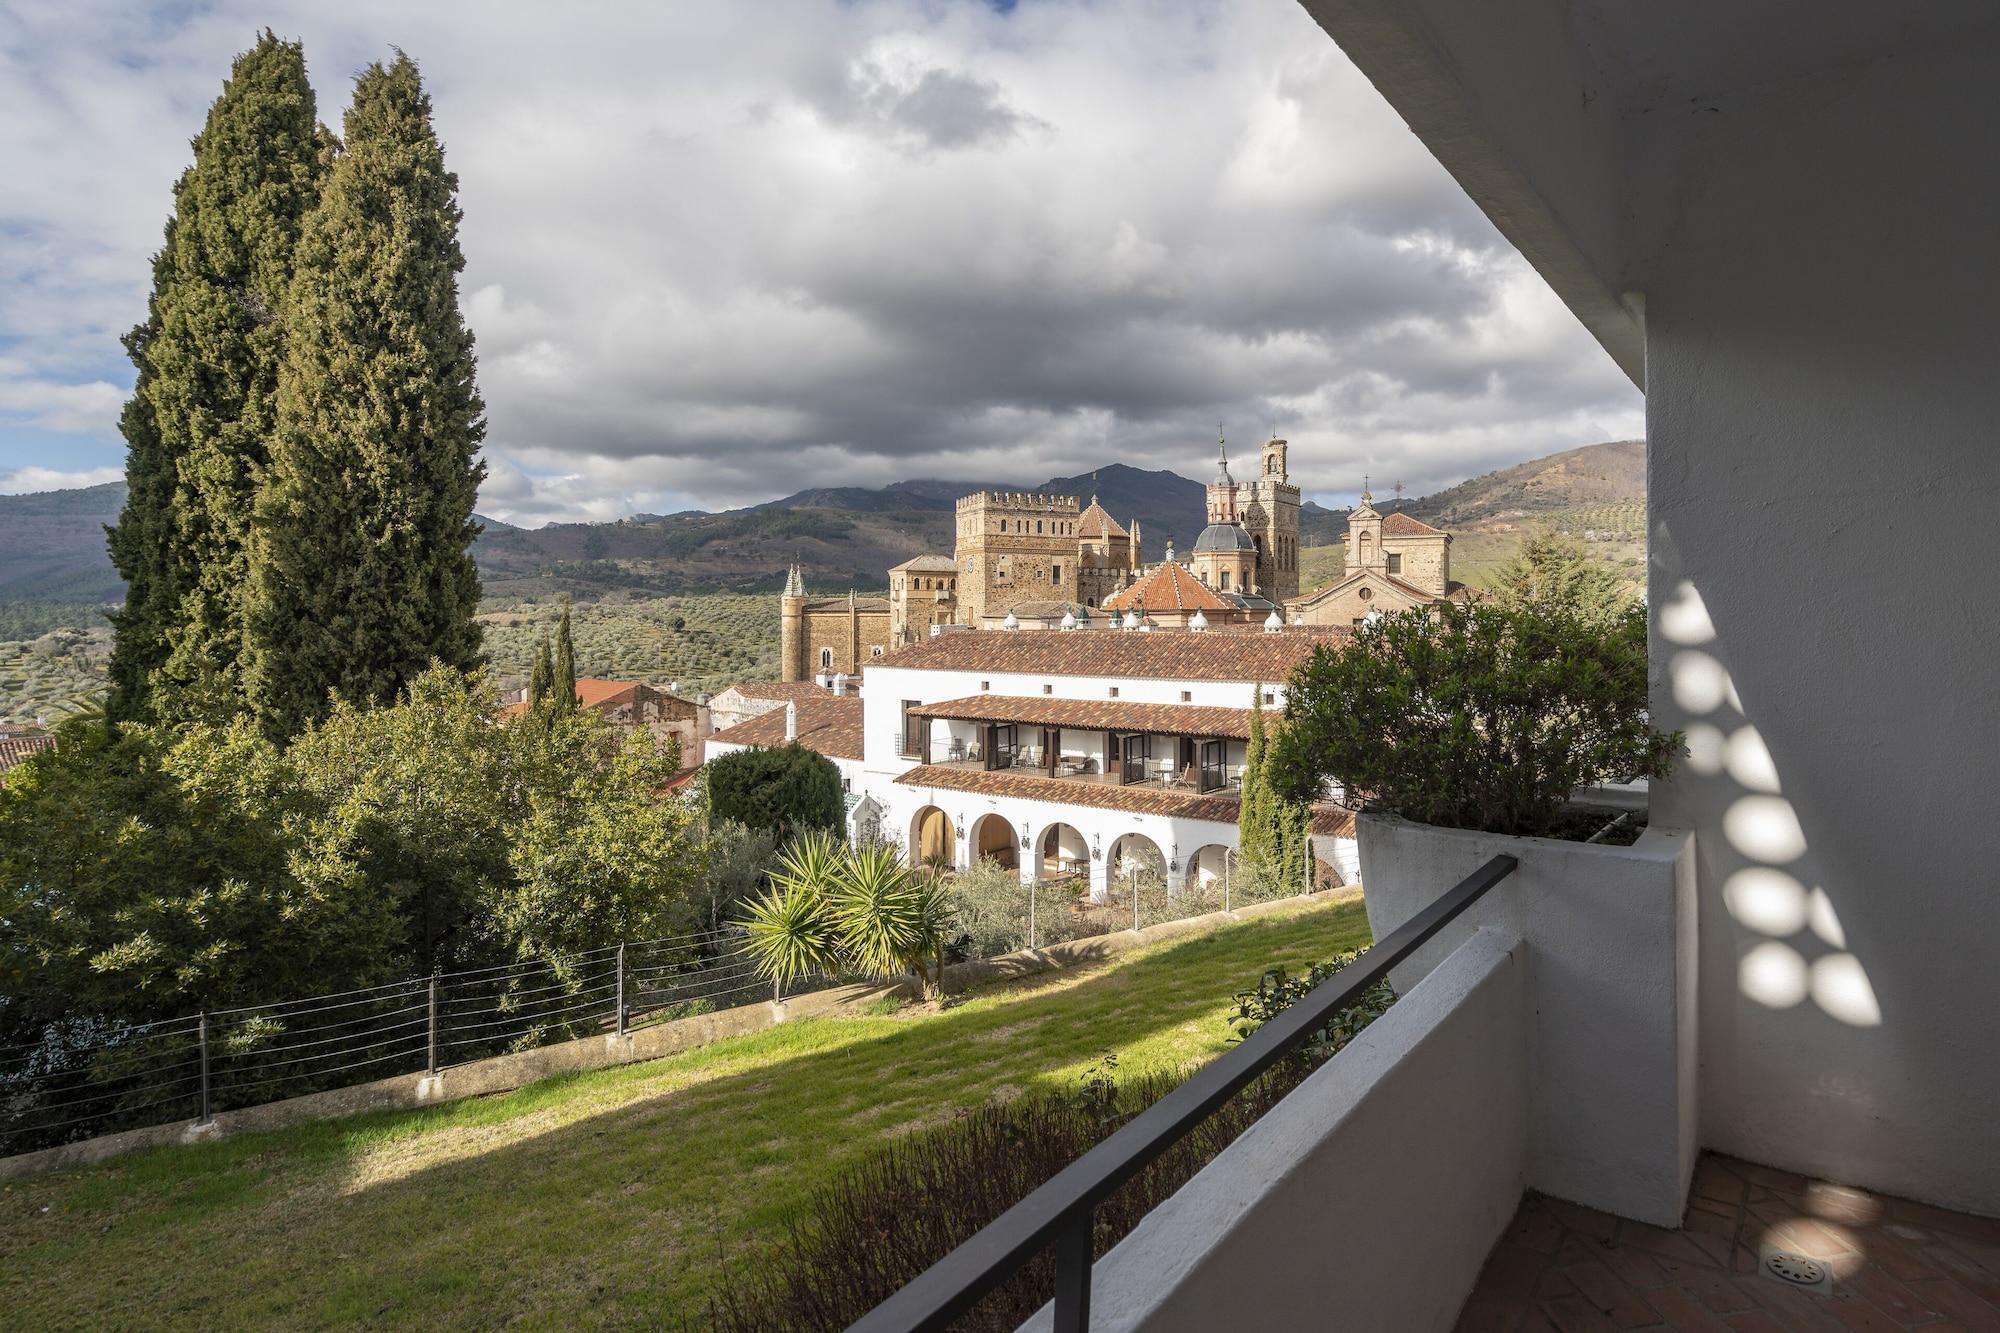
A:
(1015, 546)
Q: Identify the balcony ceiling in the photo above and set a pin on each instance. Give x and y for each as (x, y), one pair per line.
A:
(1648, 54)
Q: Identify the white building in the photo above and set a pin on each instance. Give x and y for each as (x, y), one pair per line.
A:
(819, 720)
(1069, 752)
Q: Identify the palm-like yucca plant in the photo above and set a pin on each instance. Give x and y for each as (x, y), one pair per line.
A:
(876, 903)
(792, 930)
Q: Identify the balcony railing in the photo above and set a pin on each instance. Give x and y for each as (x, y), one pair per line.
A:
(1062, 1210)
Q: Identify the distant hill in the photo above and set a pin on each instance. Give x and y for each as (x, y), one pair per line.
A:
(54, 570)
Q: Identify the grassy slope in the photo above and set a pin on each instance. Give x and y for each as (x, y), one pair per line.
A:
(605, 1198)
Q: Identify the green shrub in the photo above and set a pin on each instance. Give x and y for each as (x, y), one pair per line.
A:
(1277, 990)
(787, 790)
(882, 1222)
(1478, 716)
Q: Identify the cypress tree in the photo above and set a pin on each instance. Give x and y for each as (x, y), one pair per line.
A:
(564, 684)
(207, 358)
(139, 540)
(543, 678)
(360, 569)
(1253, 827)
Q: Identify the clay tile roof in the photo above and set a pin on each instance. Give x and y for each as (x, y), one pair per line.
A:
(14, 750)
(1029, 785)
(1229, 653)
(1097, 522)
(784, 690)
(1171, 587)
(1332, 821)
(1402, 525)
(1095, 714)
(827, 723)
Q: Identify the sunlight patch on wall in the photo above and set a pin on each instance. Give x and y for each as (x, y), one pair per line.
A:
(1803, 954)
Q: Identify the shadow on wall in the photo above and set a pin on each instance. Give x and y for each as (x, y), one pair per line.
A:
(1791, 949)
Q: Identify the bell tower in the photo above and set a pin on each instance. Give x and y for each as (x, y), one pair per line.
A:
(1272, 516)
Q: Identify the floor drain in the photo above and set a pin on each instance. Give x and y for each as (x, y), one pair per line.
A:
(1796, 1269)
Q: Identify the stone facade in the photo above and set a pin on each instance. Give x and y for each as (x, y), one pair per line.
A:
(1394, 562)
(837, 634)
(922, 592)
(1269, 511)
(1015, 546)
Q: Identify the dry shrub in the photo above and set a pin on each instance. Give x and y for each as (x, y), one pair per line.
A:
(882, 1222)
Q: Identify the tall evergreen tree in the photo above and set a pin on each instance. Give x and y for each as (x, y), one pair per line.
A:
(208, 368)
(564, 682)
(1273, 832)
(141, 538)
(1553, 571)
(360, 570)
(543, 677)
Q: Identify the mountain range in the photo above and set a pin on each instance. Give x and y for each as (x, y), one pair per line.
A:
(52, 543)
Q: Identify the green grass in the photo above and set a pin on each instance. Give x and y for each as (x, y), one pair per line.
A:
(608, 1198)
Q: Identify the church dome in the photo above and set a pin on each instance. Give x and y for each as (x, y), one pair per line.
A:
(1224, 537)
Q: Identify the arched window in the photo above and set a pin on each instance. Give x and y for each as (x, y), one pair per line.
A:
(826, 658)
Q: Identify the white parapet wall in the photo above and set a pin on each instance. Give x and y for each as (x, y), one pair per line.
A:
(1611, 956)
(1375, 1189)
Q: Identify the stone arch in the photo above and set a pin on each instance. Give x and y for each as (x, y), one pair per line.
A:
(1061, 849)
(931, 838)
(994, 839)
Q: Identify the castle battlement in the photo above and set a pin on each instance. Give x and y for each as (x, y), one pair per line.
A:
(1064, 504)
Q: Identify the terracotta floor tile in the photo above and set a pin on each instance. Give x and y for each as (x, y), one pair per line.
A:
(1958, 1303)
(1635, 1268)
(1754, 1321)
(1485, 1315)
(1683, 1311)
(1618, 1302)
(1574, 1314)
(1897, 1265)
(1895, 1299)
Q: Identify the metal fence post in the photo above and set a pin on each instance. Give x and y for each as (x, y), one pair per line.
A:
(433, 1065)
(1031, 910)
(621, 989)
(1225, 879)
(206, 1114)
(1134, 881)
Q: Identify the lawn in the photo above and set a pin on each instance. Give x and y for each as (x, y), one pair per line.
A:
(604, 1199)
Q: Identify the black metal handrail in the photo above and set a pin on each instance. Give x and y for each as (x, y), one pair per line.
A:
(1063, 1208)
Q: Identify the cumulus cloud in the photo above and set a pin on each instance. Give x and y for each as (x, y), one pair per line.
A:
(28, 480)
(717, 252)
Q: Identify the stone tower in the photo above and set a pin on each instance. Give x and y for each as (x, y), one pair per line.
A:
(1107, 555)
(1225, 554)
(1268, 508)
(1014, 546)
(1364, 535)
(792, 627)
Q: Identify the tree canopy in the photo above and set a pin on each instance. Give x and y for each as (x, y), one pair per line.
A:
(787, 790)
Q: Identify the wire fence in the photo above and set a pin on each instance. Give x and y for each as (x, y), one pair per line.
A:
(85, 1077)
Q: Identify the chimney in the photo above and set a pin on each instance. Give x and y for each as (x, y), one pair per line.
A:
(840, 685)
(791, 722)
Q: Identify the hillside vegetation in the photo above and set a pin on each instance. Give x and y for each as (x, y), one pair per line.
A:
(1596, 493)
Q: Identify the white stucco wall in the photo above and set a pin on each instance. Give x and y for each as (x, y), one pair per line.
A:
(1612, 1079)
(1821, 283)
(1805, 213)
(1370, 1196)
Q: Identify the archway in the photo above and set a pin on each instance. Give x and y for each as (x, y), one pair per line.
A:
(931, 839)
(1061, 850)
(1136, 854)
(1207, 867)
(993, 840)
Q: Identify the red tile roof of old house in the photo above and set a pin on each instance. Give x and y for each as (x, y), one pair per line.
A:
(1399, 524)
(1170, 587)
(14, 750)
(1094, 714)
(828, 723)
(1229, 653)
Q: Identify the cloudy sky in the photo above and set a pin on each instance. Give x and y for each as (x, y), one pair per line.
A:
(717, 251)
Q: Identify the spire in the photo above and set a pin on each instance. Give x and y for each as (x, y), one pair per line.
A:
(1366, 498)
(1222, 477)
(795, 581)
